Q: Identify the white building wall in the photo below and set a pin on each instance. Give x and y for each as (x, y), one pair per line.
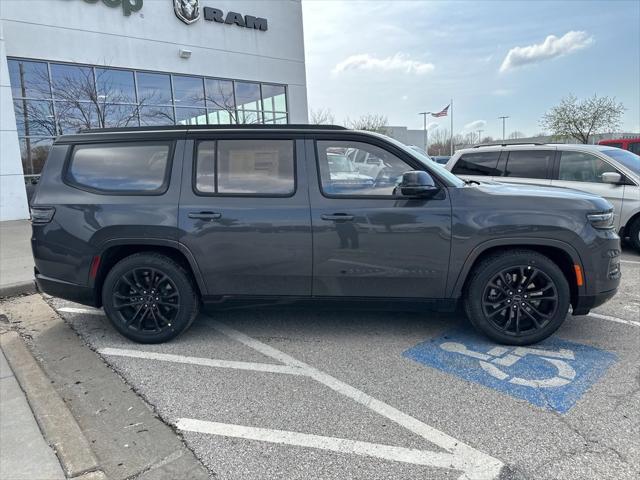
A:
(76, 31)
(13, 196)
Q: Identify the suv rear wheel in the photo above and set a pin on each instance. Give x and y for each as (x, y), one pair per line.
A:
(517, 297)
(149, 298)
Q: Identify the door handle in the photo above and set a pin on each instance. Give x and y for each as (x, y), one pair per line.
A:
(205, 215)
(337, 217)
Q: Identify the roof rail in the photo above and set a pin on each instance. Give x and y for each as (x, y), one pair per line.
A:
(256, 126)
(504, 144)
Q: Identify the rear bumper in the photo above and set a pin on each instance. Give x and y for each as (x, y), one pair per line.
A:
(585, 303)
(69, 291)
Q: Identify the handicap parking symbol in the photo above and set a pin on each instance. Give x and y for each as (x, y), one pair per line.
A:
(553, 374)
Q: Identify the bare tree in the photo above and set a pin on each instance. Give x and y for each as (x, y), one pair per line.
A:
(516, 134)
(370, 122)
(322, 116)
(581, 119)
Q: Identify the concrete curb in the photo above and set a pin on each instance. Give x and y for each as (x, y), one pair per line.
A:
(20, 288)
(54, 418)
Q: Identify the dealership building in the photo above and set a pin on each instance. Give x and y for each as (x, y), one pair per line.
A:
(69, 65)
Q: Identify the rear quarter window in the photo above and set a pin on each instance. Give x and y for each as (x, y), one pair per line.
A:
(634, 147)
(481, 163)
(132, 168)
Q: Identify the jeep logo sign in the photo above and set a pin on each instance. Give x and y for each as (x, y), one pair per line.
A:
(188, 11)
(128, 6)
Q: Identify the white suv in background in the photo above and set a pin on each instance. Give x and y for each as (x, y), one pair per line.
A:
(609, 172)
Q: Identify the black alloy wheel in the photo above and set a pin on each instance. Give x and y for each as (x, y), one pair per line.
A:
(149, 298)
(146, 300)
(517, 297)
(520, 300)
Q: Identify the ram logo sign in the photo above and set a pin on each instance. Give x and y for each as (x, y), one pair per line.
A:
(189, 12)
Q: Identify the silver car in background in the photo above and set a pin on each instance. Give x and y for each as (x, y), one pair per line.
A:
(609, 172)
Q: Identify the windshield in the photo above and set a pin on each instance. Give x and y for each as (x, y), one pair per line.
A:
(626, 158)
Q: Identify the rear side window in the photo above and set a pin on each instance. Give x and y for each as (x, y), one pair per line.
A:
(481, 163)
(245, 167)
(136, 168)
(529, 163)
(635, 148)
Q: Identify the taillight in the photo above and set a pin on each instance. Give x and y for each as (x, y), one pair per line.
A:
(41, 215)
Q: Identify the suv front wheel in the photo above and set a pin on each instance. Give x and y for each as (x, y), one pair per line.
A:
(517, 297)
(149, 298)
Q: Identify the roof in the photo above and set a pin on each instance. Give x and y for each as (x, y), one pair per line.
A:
(535, 146)
(183, 128)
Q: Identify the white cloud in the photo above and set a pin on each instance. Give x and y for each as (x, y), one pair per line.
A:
(399, 62)
(551, 47)
(475, 125)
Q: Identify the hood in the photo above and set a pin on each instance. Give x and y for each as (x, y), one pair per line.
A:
(542, 193)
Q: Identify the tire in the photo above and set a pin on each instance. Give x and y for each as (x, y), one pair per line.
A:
(505, 309)
(634, 234)
(149, 298)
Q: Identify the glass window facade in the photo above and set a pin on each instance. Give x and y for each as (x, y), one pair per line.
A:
(54, 98)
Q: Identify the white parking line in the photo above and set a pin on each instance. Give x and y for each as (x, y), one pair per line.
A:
(630, 261)
(334, 444)
(474, 464)
(206, 362)
(614, 319)
(90, 311)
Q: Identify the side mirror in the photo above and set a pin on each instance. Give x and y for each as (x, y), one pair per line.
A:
(418, 184)
(611, 177)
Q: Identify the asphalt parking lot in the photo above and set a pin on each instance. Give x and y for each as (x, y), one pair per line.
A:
(295, 394)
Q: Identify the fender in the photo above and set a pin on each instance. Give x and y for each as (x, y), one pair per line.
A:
(512, 242)
(159, 243)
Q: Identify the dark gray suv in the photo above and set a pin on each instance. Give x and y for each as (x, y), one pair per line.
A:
(152, 223)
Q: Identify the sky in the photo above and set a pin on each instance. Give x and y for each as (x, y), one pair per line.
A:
(493, 58)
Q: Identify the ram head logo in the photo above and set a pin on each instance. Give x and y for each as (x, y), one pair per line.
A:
(187, 10)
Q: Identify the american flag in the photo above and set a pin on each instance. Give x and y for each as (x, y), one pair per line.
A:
(441, 113)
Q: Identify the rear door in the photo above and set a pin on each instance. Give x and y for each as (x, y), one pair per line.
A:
(244, 213)
(583, 171)
(531, 166)
(367, 240)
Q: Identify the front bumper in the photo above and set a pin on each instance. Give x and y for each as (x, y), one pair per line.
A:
(585, 303)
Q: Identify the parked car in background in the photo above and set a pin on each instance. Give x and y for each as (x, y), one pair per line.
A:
(609, 172)
(151, 223)
(441, 159)
(631, 144)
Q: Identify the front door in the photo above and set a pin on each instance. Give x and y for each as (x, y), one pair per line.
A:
(244, 215)
(583, 171)
(369, 241)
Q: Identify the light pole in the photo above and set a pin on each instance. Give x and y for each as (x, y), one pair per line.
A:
(480, 136)
(503, 123)
(426, 132)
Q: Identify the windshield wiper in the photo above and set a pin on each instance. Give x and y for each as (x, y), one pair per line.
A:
(470, 182)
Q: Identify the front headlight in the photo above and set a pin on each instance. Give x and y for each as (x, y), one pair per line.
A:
(601, 221)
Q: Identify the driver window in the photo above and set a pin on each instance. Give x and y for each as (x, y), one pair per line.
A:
(341, 175)
(582, 167)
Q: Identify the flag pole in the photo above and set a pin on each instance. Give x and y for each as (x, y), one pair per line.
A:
(451, 110)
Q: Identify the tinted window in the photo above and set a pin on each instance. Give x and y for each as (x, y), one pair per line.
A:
(73, 83)
(634, 147)
(188, 91)
(115, 86)
(529, 163)
(120, 167)
(29, 79)
(582, 167)
(341, 175)
(249, 167)
(481, 163)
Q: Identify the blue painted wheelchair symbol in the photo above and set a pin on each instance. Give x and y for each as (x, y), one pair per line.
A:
(553, 374)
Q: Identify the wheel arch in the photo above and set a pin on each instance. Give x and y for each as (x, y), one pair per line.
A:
(113, 251)
(561, 253)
